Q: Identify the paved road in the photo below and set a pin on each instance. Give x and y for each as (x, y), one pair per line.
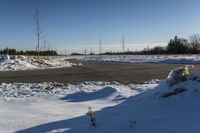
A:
(93, 71)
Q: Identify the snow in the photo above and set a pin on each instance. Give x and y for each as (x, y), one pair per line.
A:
(20, 62)
(139, 108)
(27, 105)
(11, 63)
(157, 59)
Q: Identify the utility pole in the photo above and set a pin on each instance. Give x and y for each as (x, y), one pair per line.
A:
(48, 50)
(85, 52)
(37, 30)
(91, 51)
(65, 53)
(56, 53)
(36, 48)
(45, 43)
(147, 48)
(123, 46)
(100, 43)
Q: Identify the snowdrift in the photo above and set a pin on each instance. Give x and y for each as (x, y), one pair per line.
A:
(156, 59)
(20, 62)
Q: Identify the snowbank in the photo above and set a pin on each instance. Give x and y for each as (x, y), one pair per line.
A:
(158, 59)
(8, 63)
(86, 90)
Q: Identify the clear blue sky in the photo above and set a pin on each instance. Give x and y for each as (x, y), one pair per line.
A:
(75, 24)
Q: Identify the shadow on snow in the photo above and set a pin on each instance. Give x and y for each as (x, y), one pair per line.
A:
(84, 96)
(150, 112)
(82, 123)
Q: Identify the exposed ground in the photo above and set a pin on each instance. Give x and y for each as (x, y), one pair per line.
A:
(93, 71)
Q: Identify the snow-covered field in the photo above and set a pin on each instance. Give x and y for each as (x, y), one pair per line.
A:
(158, 59)
(153, 107)
(20, 62)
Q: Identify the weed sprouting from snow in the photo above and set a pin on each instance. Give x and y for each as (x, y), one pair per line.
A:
(131, 123)
(92, 116)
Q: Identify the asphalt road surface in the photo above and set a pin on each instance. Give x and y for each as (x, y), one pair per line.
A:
(93, 71)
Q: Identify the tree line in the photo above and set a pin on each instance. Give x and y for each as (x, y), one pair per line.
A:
(175, 46)
(12, 51)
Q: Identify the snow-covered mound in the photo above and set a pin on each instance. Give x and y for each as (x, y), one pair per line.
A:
(153, 107)
(8, 63)
(189, 87)
(158, 59)
(75, 93)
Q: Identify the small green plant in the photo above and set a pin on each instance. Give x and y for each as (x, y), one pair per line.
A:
(92, 116)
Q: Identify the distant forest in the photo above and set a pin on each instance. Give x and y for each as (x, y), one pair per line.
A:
(175, 46)
(12, 51)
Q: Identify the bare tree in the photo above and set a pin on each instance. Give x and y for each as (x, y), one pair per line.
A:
(195, 42)
(38, 29)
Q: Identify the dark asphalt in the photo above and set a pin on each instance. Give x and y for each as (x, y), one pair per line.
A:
(93, 71)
